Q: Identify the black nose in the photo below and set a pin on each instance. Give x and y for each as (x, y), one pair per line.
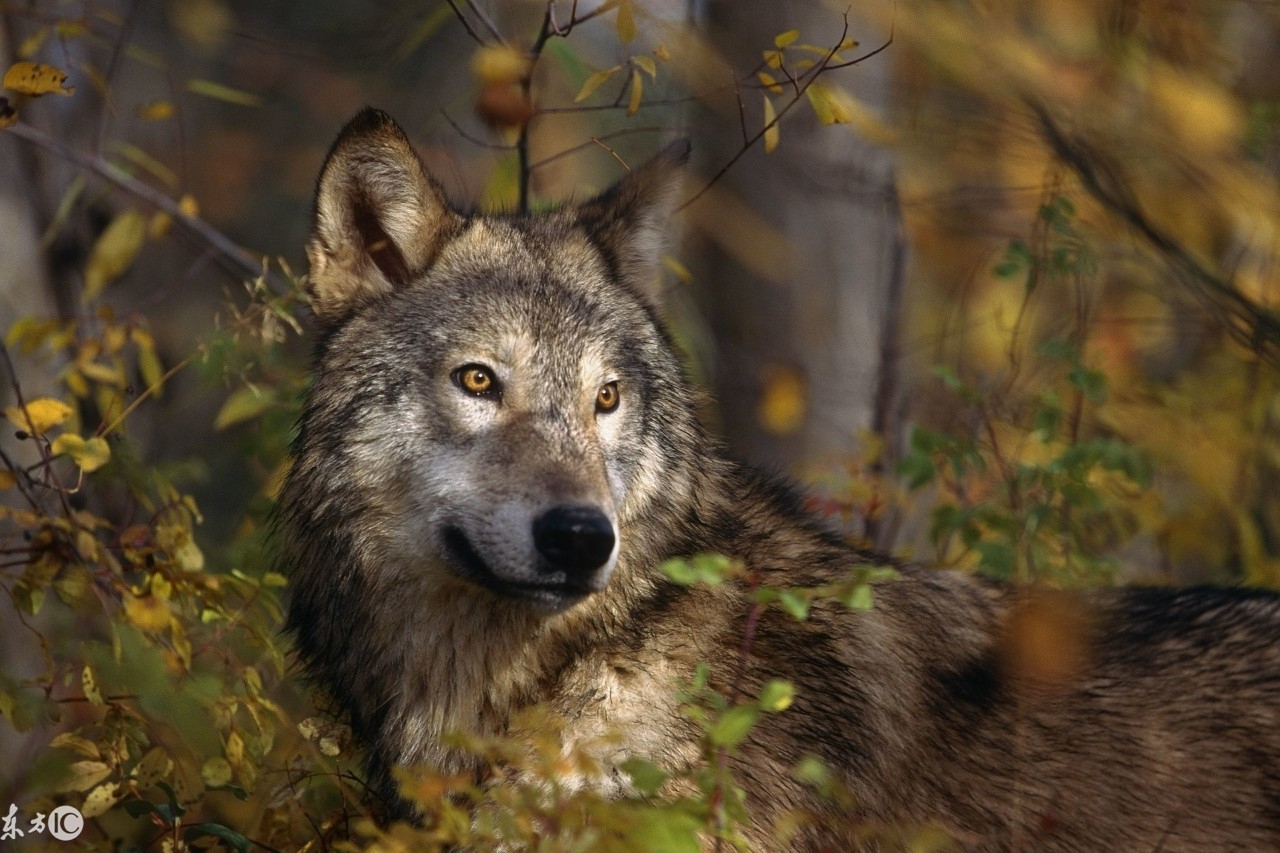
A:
(573, 539)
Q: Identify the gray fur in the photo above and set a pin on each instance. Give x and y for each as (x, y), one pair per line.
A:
(1159, 732)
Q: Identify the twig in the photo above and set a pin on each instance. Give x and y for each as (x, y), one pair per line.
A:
(486, 20)
(475, 140)
(466, 25)
(596, 140)
(224, 247)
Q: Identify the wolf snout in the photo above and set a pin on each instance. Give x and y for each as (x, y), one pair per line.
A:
(577, 540)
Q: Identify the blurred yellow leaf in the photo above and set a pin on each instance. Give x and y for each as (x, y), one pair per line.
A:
(84, 746)
(595, 81)
(188, 206)
(647, 65)
(83, 775)
(771, 131)
(114, 252)
(782, 404)
(90, 454)
(499, 64)
(770, 82)
(637, 90)
(662, 53)
(32, 43)
(7, 480)
(243, 404)
(781, 40)
(161, 110)
(219, 92)
(181, 547)
(42, 414)
(89, 684)
(216, 772)
(829, 107)
(35, 78)
(626, 21)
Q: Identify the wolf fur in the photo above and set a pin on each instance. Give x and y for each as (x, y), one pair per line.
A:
(428, 595)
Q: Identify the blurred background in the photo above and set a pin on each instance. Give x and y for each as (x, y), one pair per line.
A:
(995, 279)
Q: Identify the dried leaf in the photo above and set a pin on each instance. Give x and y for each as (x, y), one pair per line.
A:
(114, 252)
(595, 81)
(82, 745)
(153, 767)
(149, 613)
(32, 43)
(35, 78)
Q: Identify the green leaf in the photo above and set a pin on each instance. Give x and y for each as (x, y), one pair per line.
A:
(734, 725)
(216, 830)
(777, 695)
(243, 404)
(647, 777)
(796, 604)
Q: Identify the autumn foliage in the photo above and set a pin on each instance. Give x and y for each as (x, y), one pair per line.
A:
(1088, 344)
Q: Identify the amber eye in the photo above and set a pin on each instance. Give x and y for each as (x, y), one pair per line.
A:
(607, 397)
(477, 380)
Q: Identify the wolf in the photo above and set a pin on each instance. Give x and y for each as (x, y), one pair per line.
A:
(501, 446)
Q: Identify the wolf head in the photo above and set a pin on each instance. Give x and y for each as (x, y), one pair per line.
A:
(491, 393)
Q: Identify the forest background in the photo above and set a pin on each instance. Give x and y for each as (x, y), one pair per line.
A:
(996, 279)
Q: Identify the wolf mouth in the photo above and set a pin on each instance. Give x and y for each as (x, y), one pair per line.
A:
(466, 561)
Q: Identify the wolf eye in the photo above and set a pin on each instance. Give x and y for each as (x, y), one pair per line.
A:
(607, 398)
(477, 380)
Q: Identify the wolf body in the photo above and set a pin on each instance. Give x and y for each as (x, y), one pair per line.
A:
(501, 446)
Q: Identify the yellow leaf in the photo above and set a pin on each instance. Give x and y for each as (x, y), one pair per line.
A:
(782, 406)
(771, 132)
(595, 81)
(661, 52)
(89, 683)
(84, 746)
(159, 224)
(647, 65)
(219, 92)
(216, 772)
(149, 613)
(83, 775)
(7, 480)
(243, 404)
(188, 206)
(770, 82)
(161, 110)
(35, 78)
(90, 454)
(626, 22)
(114, 252)
(781, 40)
(499, 65)
(101, 798)
(41, 415)
(235, 749)
(153, 767)
(773, 58)
(637, 89)
(31, 44)
(181, 547)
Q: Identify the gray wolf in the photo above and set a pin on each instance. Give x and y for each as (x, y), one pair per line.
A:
(499, 448)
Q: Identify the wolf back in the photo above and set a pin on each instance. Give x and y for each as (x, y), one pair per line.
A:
(501, 446)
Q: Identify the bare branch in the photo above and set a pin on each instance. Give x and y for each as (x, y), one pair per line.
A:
(239, 259)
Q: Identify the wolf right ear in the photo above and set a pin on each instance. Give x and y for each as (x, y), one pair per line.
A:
(378, 218)
(628, 221)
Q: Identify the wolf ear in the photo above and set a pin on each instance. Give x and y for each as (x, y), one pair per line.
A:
(378, 217)
(629, 220)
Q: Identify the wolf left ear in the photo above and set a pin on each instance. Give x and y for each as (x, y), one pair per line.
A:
(378, 220)
(629, 220)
